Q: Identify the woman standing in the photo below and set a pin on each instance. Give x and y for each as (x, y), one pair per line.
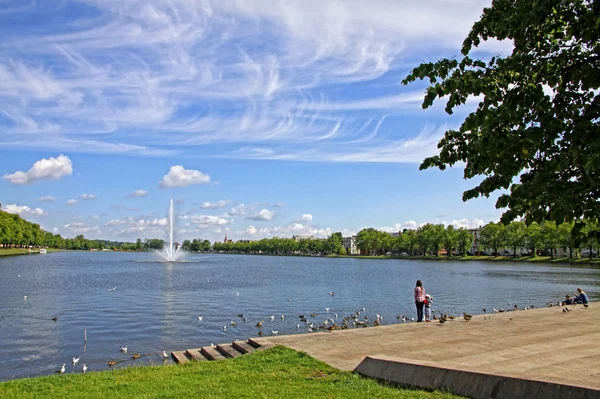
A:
(419, 300)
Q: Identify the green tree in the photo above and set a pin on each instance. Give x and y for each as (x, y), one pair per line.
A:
(450, 239)
(410, 241)
(492, 237)
(565, 238)
(533, 237)
(342, 251)
(550, 238)
(515, 235)
(464, 240)
(535, 131)
(139, 246)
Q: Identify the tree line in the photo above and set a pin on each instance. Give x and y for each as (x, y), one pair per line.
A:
(285, 246)
(547, 237)
(427, 239)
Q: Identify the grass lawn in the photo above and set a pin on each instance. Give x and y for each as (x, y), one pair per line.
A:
(22, 251)
(276, 373)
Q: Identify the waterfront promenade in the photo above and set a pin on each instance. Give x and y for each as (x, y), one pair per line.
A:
(546, 345)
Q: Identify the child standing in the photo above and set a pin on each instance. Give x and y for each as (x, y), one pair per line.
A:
(428, 301)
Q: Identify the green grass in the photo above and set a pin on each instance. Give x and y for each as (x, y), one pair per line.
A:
(22, 251)
(276, 373)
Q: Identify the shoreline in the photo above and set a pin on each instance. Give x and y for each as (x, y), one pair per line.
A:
(546, 260)
(519, 259)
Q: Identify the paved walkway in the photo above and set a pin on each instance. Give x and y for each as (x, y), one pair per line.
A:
(542, 344)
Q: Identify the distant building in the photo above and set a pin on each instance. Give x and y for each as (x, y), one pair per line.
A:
(225, 241)
(350, 244)
(475, 233)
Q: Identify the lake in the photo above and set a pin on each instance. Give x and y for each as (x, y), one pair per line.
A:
(156, 306)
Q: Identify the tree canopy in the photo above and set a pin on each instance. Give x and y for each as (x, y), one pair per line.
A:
(535, 131)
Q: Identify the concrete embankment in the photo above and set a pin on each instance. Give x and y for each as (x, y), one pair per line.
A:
(533, 353)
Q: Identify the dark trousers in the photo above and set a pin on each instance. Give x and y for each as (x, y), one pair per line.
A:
(419, 310)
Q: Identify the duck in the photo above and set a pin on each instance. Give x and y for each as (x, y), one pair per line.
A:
(326, 310)
(282, 317)
(467, 317)
(224, 328)
(483, 310)
(298, 326)
(85, 367)
(233, 323)
(313, 315)
(260, 333)
(272, 318)
(112, 289)
(24, 296)
(61, 370)
(75, 360)
(124, 349)
(54, 318)
(241, 315)
(112, 362)
(200, 318)
(331, 293)
(136, 356)
(259, 324)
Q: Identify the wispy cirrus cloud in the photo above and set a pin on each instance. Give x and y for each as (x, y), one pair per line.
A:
(223, 78)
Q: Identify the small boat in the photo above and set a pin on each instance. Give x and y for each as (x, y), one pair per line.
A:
(42, 250)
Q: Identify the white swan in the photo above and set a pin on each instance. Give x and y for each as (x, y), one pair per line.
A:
(85, 367)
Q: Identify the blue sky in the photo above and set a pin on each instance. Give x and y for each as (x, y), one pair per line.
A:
(260, 118)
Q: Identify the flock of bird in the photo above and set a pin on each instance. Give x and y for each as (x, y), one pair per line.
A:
(354, 319)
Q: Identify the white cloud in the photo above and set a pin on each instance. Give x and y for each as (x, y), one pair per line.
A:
(411, 224)
(307, 217)
(208, 220)
(72, 202)
(47, 198)
(263, 214)
(24, 211)
(239, 210)
(83, 228)
(251, 230)
(178, 176)
(88, 197)
(469, 224)
(44, 169)
(215, 205)
(137, 193)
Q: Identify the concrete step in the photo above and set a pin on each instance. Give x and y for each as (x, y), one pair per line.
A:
(243, 347)
(228, 350)
(195, 354)
(260, 346)
(180, 357)
(211, 353)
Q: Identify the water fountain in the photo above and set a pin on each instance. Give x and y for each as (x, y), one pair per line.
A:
(169, 252)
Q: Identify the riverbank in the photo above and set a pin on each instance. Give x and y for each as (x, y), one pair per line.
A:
(275, 373)
(523, 259)
(24, 251)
